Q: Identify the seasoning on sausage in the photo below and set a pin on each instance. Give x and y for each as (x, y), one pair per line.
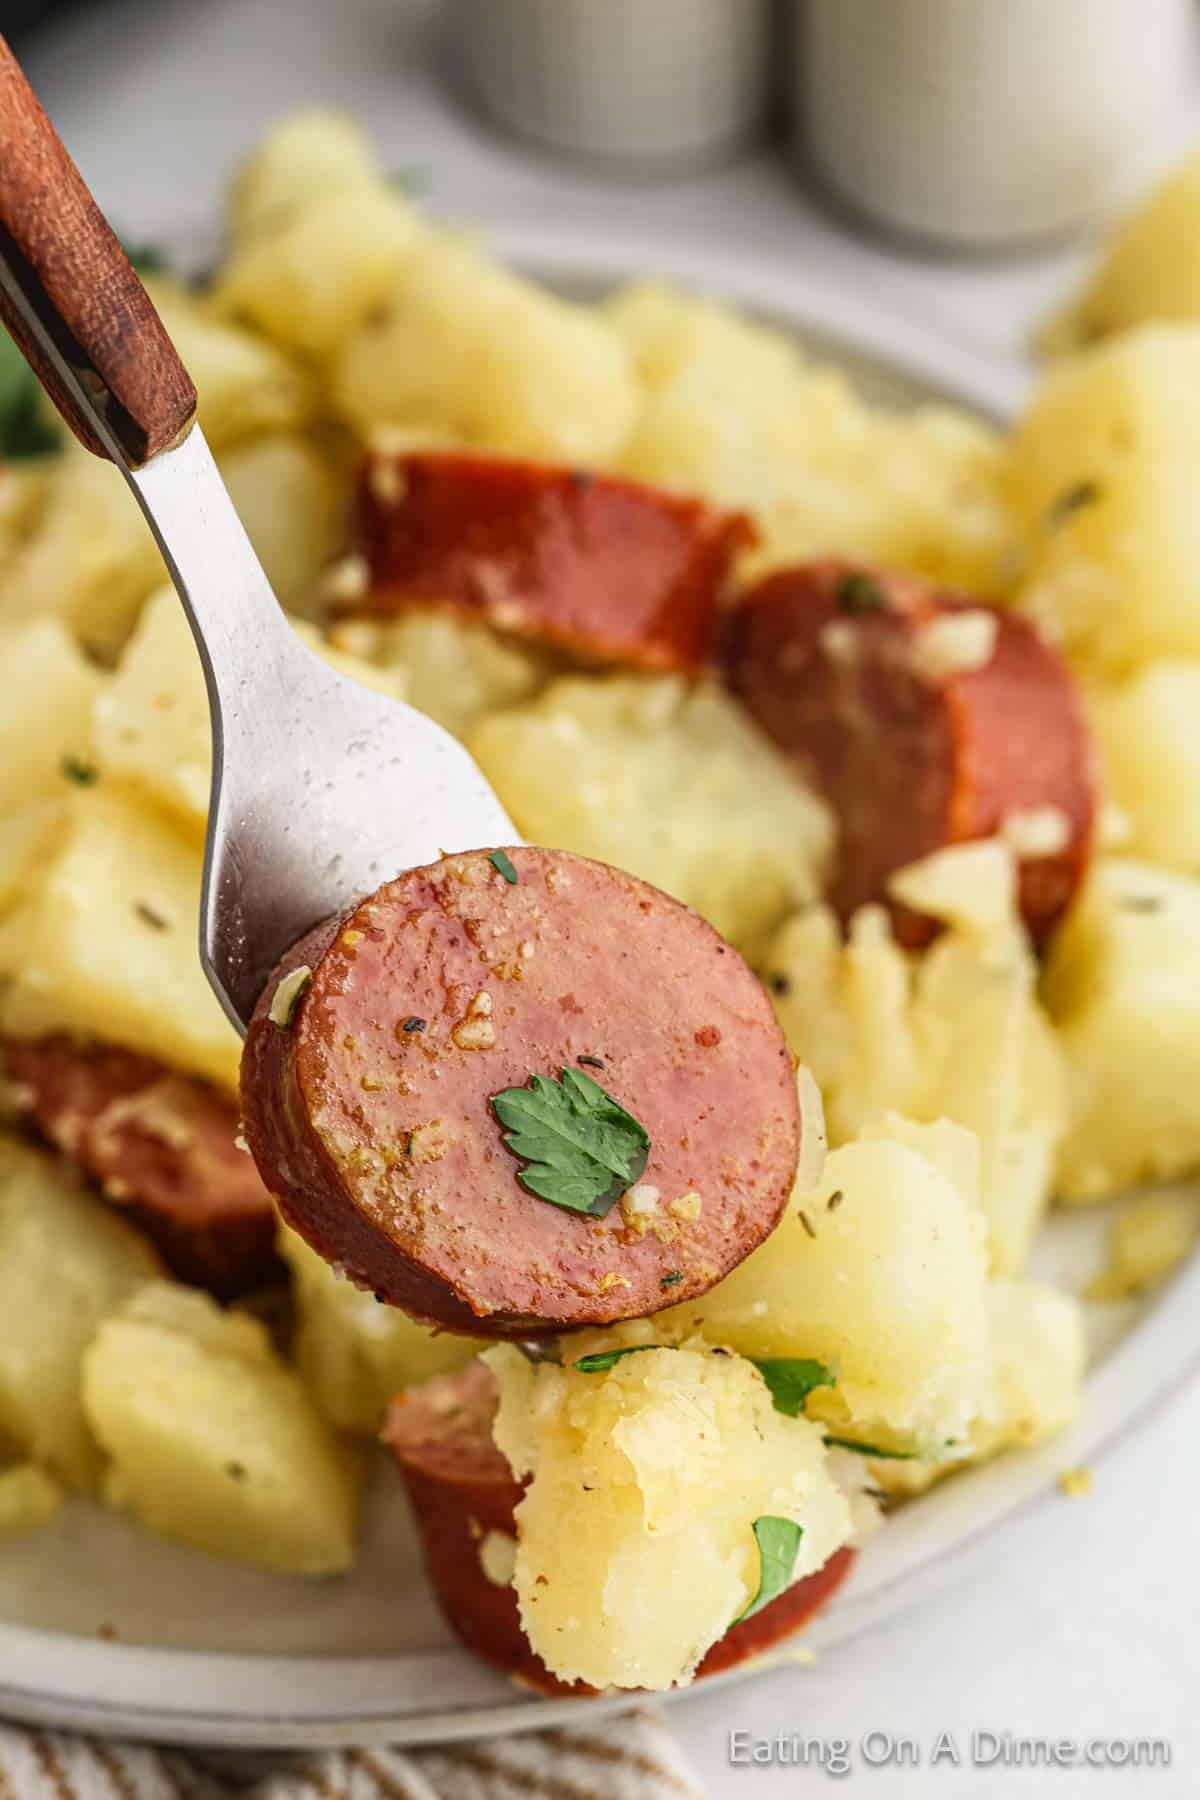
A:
(463, 1497)
(162, 1146)
(926, 719)
(603, 568)
(395, 1152)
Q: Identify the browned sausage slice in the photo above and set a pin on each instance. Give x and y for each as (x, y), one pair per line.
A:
(371, 1114)
(461, 1488)
(926, 719)
(606, 569)
(163, 1147)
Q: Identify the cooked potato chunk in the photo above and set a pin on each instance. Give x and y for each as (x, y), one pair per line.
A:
(1102, 481)
(104, 942)
(353, 1354)
(1150, 1237)
(212, 1439)
(636, 1545)
(89, 560)
(880, 1273)
(470, 348)
(306, 157)
(291, 501)
(45, 710)
(151, 720)
(455, 669)
(1122, 985)
(66, 1262)
(29, 1499)
(313, 278)
(245, 385)
(669, 780)
(1150, 268)
(1149, 732)
(955, 1032)
(733, 410)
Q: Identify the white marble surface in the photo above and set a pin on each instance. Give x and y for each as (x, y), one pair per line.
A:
(1085, 1625)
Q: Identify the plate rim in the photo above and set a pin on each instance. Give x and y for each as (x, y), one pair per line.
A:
(169, 1695)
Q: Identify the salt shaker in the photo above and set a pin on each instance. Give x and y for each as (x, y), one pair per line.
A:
(987, 122)
(643, 83)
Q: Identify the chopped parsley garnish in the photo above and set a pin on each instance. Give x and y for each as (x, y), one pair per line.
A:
(603, 1360)
(502, 863)
(872, 1450)
(671, 1279)
(80, 771)
(1071, 501)
(791, 1379)
(25, 429)
(581, 1150)
(778, 1547)
(150, 915)
(413, 1023)
(859, 592)
(1142, 903)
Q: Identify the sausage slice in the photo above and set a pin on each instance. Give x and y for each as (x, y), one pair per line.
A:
(926, 719)
(163, 1147)
(369, 1104)
(462, 1491)
(605, 569)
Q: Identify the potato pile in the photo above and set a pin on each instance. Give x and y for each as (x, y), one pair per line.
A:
(965, 1086)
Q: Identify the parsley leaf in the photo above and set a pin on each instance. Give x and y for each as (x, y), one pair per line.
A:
(1071, 501)
(792, 1379)
(80, 771)
(859, 592)
(502, 863)
(581, 1150)
(603, 1360)
(778, 1547)
(873, 1450)
(25, 430)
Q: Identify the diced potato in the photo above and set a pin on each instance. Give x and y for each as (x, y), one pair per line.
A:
(29, 1499)
(733, 410)
(454, 668)
(45, 710)
(354, 1355)
(27, 835)
(1150, 1237)
(886, 1285)
(90, 559)
(635, 1546)
(151, 720)
(1038, 1360)
(312, 280)
(470, 348)
(1122, 986)
(292, 503)
(104, 942)
(66, 1262)
(668, 779)
(245, 384)
(307, 157)
(1149, 269)
(1103, 483)
(956, 1032)
(213, 1440)
(1149, 733)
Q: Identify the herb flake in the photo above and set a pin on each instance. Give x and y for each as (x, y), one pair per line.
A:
(791, 1379)
(603, 1360)
(860, 1449)
(80, 771)
(1071, 501)
(859, 592)
(580, 1148)
(26, 430)
(671, 1279)
(778, 1543)
(501, 861)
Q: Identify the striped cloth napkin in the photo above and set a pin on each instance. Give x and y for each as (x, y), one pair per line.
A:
(631, 1757)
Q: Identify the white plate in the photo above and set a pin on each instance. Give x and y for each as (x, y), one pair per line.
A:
(208, 1653)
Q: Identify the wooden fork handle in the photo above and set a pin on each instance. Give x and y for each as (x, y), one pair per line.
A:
(64, 276)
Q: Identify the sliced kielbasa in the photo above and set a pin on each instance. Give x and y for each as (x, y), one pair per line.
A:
(368, 1093)
(462, 1490)
(162, 1146)
(605, 569)
(926, 719)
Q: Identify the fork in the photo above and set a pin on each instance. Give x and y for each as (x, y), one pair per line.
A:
(321, 789)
